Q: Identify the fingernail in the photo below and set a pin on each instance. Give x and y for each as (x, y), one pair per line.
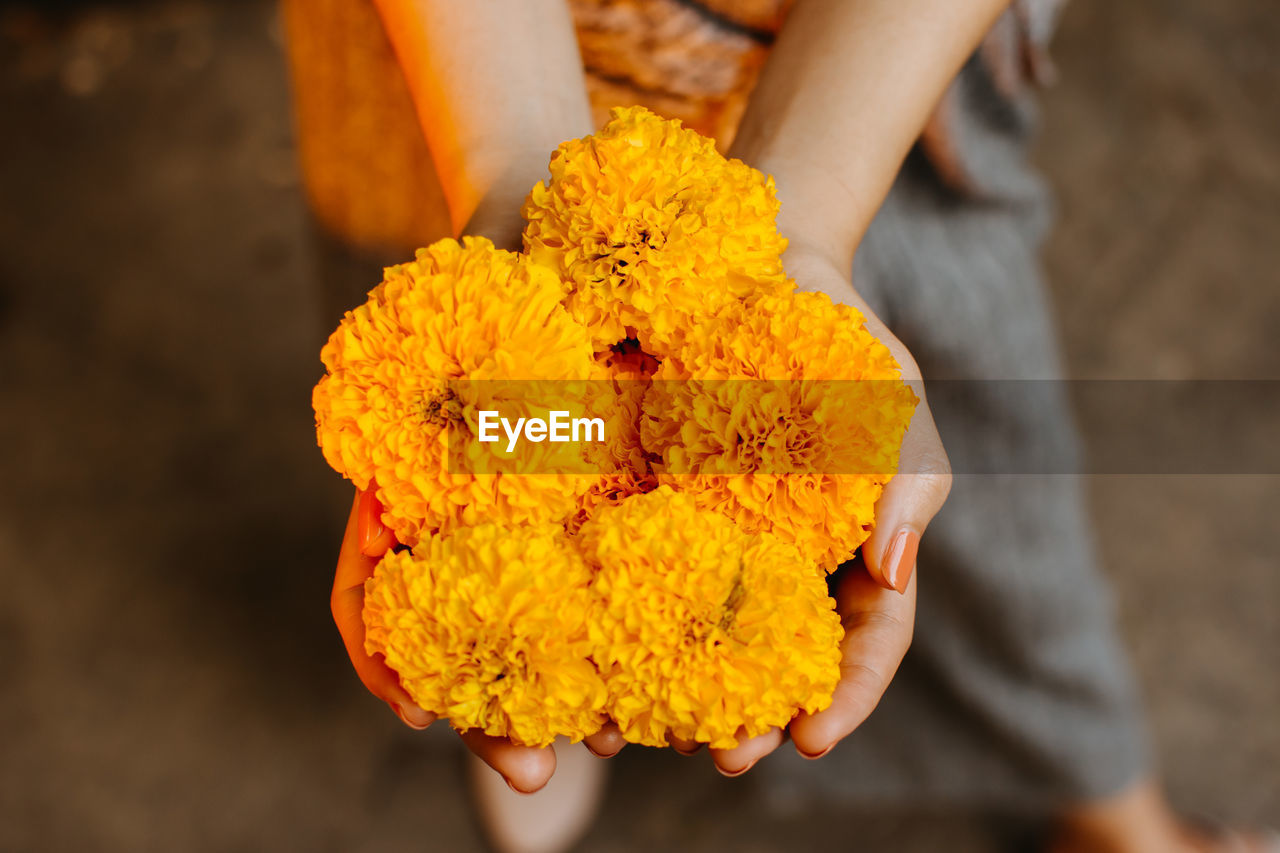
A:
(516, 790)
(675, 743)
(371, 526)
(598, 754)
(734, 774)
(399, 709)
(900, 558)
(814, 756)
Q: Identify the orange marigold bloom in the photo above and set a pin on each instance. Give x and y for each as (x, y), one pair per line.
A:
(707, 631)
(653, 229)
(462, 328)
(787, 417)
(621, 378)
(489, 627)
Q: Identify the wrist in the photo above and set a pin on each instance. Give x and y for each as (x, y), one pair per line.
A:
(820, 213)
(503, 182)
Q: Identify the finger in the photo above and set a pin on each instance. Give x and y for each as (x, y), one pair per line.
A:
(878, 625)
(909, 502)
(741, 758)
(607, 742)
(374, 536)
(347, 604)
(682, 746)
(527, 769)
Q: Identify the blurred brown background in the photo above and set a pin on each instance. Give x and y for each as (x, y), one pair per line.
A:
(170, 678)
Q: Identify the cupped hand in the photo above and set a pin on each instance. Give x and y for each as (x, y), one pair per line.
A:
(526, 769)
(876, 594)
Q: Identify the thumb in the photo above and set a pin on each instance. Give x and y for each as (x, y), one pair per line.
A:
(372, 535)
(347, 605)
(909, 501)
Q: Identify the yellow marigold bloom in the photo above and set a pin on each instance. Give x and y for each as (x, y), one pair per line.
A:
(462, 328)
(489, 627)
(707, 631)
(653, 229)
(621, 378)
(787, 417)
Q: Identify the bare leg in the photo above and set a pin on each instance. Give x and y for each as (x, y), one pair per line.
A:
(1140, 820)
(551, 820)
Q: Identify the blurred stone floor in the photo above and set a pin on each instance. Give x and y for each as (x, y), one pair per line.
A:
(169, 677)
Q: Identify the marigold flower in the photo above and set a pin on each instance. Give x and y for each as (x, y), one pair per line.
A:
(708, 632)
(787, 417)
(462, 328)
(621, 378)
(653, 229)
(489, 627)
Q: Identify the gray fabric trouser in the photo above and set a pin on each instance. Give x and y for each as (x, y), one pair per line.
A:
(1016, 690)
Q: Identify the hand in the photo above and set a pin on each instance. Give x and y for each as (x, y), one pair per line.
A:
(526, 769)
(876, 596)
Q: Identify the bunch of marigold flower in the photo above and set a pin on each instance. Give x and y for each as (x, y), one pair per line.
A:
(671, 577)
